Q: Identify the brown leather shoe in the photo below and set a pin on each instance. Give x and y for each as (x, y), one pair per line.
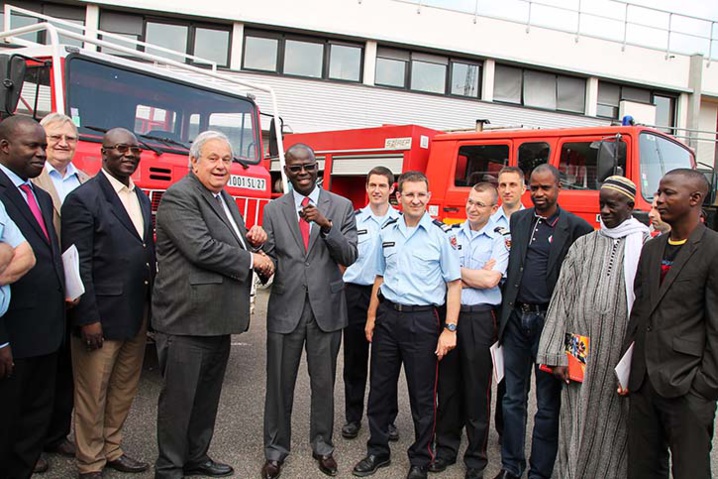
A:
(271, 469)
(327, 464)
(64, 448)
(125, 463)
(41, 466)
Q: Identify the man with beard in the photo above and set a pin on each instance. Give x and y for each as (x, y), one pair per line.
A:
(593, 299)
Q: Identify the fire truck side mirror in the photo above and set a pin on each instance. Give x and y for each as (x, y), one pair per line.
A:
(609, 157)
(12, 76)
(273, 144)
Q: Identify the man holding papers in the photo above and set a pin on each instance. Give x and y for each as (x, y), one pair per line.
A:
(587, 320)
(33, 328)
(674, 327)
(109, 222)
(465, 373)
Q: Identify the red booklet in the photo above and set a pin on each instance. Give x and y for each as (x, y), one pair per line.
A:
(577, 348)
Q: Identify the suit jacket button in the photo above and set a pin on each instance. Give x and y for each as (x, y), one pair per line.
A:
(648, 328)
(147, 282)
(306, 264)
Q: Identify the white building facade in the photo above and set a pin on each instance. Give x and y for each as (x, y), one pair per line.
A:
(443, 64)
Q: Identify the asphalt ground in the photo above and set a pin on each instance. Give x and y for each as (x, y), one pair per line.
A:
(238, 433)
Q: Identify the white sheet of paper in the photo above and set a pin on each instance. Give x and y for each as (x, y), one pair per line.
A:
(73, 283)
(497, 357)
(623, 369)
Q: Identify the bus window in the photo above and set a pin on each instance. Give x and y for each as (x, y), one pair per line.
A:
(477, 163)
(530, 155)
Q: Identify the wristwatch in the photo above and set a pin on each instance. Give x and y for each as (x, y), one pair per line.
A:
(323, 232)
(451, 327)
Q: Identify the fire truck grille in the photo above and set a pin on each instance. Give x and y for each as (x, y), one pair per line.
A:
(160, 174)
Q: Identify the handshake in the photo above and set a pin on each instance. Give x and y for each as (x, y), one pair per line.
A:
(263, 264)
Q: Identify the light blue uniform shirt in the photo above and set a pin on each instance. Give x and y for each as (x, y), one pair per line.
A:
(416, 263)
(10, 234)
(475, 249)
(500, 219)
(363, 271)
(63, 186)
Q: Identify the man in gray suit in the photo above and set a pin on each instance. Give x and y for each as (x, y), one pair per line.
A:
(311, 232)
(201, 297)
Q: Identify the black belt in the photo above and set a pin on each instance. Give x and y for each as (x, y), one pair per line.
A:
(403, 308)
(477, 308)
(531, 308)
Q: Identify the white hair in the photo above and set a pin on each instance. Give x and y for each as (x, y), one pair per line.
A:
(195, 150)
(58, 118)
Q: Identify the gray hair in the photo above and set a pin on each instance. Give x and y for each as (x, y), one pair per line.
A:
(58, 118)
(196, 148)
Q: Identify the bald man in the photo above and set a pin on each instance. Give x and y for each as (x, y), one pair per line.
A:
(108, 220)
(673, 383)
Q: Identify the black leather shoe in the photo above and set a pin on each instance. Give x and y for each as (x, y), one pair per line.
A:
(370, 464)
(504, 474)
(440, 464)
(473, 473)
(393, 433)
(64, 448)
(209, 468)
(417, 472)
(271, 469)
(90, 475)
(327, 464)
(41, 466)
(125, 463)
(351, 430)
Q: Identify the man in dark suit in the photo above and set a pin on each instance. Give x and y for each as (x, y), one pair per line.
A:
(311, 232)
(201, 297)
(674, 322)
(33, 328)
(108, 219)
(59, 177)
(540, 239)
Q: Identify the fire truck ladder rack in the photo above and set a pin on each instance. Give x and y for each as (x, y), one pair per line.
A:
(53, 32)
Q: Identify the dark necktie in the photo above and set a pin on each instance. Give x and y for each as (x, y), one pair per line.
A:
(304, 226)
(35, 208)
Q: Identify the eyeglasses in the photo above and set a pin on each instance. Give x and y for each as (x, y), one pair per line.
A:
(59, 138)
(478, 204)
(297, 168)
(123, 149)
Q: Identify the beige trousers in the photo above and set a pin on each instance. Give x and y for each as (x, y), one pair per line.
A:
(106, 382)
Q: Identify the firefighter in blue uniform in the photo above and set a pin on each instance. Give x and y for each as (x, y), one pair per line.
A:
(417, 272)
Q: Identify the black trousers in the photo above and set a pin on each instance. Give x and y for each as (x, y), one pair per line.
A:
(26, 400)
(465, 376)
(193, 369)
(656, 424)
(356, 354)
(409, 338)
(60, 423)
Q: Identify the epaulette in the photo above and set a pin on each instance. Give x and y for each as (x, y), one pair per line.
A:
(444, 227)
(357, 211)
(390, 222)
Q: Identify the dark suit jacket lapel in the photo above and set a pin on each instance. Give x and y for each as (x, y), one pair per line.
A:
(522, 237)
(146, 209)
(16, 198)
(234, 211)
(684, 254)
(116, 206)
(290, 215)
(323, 205)
(560, 236)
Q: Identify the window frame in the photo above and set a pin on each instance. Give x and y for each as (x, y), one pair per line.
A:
(556, 76)
(653, 94)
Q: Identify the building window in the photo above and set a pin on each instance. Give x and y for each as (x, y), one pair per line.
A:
(345, 62)
(427, 73)
(539, 89)
(305, 57)
(392, 67)
(210, 42)
(74, 15)
(610, 96)
(465, 79)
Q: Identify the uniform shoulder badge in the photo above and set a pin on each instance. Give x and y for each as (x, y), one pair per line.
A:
(444, 227)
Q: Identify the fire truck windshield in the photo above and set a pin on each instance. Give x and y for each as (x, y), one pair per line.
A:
(659, 156)
(166, 113)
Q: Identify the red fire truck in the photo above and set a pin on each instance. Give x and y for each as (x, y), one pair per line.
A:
(453, 162)
(165, 102)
